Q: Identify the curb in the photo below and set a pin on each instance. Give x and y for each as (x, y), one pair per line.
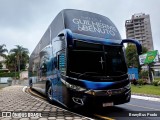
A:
(147, 95)
(143, 97)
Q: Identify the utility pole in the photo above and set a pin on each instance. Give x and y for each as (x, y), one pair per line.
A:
(150, 73)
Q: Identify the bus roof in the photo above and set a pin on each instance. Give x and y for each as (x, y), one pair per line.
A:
(79, 22)
(90, 24)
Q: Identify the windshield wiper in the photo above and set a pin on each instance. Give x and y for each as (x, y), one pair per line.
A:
(121, 74)
(75, 73)
(85, 73)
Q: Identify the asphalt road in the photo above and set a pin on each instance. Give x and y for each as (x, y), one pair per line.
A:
(136, 109)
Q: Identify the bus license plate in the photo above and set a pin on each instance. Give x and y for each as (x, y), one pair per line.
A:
(107, 104)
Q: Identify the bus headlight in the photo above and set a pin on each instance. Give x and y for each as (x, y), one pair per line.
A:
(78, 88)
(74, 87)
(91, 92)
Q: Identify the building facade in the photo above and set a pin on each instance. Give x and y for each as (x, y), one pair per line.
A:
(139, 27)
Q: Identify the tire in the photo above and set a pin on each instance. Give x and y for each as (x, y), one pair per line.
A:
(49, 93)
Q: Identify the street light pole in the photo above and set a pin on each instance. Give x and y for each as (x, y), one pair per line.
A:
(150, 73)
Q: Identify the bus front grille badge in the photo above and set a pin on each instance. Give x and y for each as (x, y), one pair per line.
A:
(78, 100)
(109, 92)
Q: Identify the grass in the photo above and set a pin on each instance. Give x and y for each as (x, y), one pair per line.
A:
(146, 89)
(157, 79)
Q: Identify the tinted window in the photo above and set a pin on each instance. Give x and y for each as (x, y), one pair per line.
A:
(96, 60)
(79, 45)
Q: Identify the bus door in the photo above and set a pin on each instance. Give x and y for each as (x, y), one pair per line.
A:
(58, 71)
(59, 68)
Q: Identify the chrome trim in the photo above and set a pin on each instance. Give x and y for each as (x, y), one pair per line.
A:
(79, 99)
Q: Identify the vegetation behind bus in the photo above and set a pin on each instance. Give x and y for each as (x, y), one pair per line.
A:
(15, 61)
(9, 74)
(132, 56)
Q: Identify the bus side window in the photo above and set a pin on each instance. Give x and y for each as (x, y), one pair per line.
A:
(43, 63)
(43, 68)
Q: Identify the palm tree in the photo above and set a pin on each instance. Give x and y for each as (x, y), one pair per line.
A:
(21, 56)
(3, 50)
(2, 53)
(11, 62)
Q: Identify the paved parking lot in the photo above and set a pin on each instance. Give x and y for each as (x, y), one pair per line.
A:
(18, 105)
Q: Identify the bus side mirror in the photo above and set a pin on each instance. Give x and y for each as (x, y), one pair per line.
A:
(61, 36)
(136, 42)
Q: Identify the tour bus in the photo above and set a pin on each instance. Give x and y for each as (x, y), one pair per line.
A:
(80, 61)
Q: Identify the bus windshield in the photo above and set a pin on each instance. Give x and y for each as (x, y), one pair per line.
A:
(96, 60)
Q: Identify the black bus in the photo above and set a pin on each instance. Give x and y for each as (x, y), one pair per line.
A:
(80, 61)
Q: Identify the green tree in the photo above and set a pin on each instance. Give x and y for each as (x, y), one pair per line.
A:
(3, 50)
(132, 56)
(21, 56)
(11, 62)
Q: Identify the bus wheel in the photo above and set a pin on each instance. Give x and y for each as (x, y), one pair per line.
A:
(49, 93)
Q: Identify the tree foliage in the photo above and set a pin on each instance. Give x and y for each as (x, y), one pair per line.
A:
(11, 62)
(132, 56)
(3, 50)
(17, 58)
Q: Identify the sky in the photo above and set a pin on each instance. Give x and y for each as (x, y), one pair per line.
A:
(23, 22)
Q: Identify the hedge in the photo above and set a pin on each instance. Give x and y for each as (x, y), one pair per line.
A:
(11, 74)
(156, 82)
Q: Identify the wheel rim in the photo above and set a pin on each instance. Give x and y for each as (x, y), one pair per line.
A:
(50, 93)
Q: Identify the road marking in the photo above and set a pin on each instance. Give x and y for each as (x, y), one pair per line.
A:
(104, 117)
(35, 94)
(143, 107)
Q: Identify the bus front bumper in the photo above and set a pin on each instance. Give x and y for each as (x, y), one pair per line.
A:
(101, 98)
